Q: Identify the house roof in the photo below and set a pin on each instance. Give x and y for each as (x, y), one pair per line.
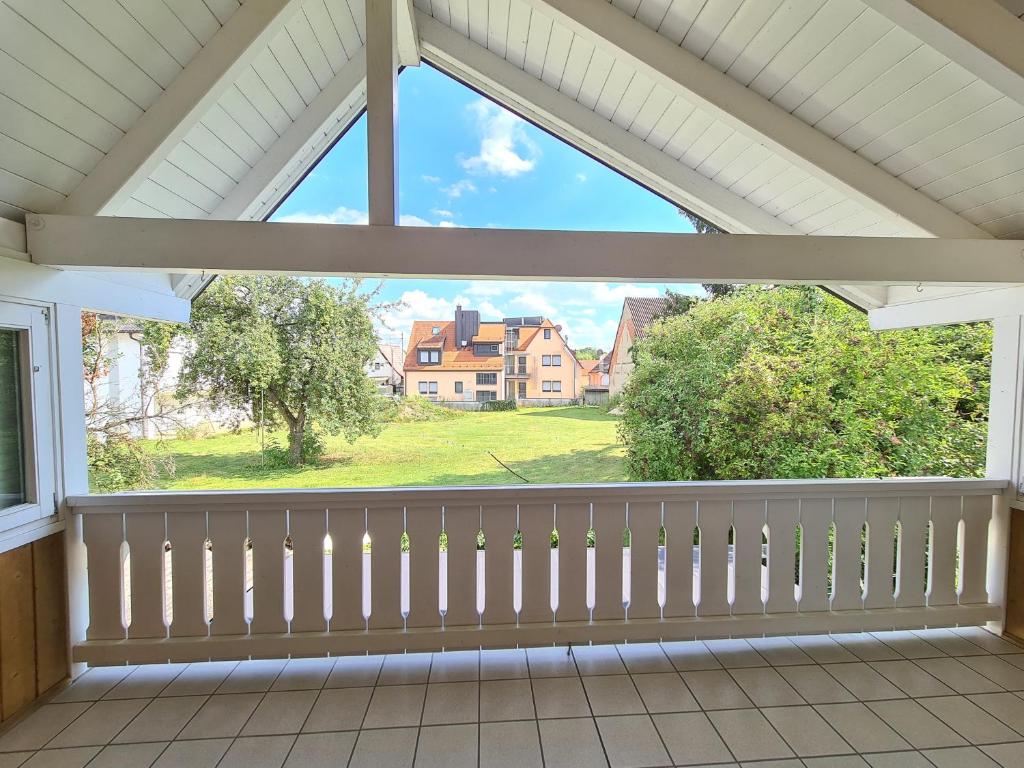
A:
(452, 358)
(642, 311)
(853, 118)
(589, 365)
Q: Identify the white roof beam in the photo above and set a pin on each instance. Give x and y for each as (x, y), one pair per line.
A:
(194, 91)
(300, 146)
(981, 36)
(680, 71)
(382, 110)
(946, 310)
(407, 35)
(203, 245)
(584, 129)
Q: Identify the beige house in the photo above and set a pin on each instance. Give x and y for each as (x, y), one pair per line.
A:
(637, 315)
(524, 359)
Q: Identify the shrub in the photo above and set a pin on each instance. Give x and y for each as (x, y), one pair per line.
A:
(121, 463)
(499, 405)
(414, 409)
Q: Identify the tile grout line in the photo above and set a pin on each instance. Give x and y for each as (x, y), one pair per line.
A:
(590, 707)
(263, 697)
(643, 703)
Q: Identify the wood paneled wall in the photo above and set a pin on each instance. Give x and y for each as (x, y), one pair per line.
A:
(33, 622)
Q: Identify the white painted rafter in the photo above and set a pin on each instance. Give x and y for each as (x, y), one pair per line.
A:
(981, 36)
(407, 38)
(192, 93)
(382, 110)
(609, 28)
(961, 307)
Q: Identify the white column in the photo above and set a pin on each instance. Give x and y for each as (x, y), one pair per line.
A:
(382, 111)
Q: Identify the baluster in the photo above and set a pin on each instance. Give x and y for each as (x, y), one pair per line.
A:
(945, 518)
(536, 522)
(714, 518)
(849, 516)
(977, 513)
(462, 524)
(499, 529)
(423, 523)
(187, 533)
(910, 573)
(815, 521)
(145, 533)
(346, 527)
(680, 520)
(573, 522)
(228, 532)
(878, 573)
(386, 527)
(644, 525)
(782, 519)
(609, 524)
(103, 534)
(748, 524)
(268, 530)
(307, 528)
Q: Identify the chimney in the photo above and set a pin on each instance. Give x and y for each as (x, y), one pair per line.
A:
(467, 325)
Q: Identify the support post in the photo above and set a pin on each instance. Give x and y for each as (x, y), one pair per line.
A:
(381, 112)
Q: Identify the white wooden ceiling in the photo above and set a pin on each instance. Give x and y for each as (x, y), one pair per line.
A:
(75, 75)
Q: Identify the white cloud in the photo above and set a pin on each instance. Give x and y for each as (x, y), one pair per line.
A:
(533, 302)
(444, 214)
(448, 224)
(459, 187)
(581, 177)
(340, 215)
(431, 179)
(408, 220)
(505, 147)
(602, 292)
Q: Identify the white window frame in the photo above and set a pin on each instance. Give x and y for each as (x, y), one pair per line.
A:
(19, 523)
(556, 361)
(545, 360)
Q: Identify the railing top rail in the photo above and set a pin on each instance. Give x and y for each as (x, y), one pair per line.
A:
(340, 498)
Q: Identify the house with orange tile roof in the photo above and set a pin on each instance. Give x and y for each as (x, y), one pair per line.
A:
(525, 359)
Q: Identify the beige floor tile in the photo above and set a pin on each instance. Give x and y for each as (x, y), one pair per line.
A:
(691, 739)
(805, 731)
(551, 662)
(73, 757)
(958, 676)
(321, 750)
(715, 689)
(503, 664)
(395, 705)
(99, 724)
(449, 703)
(93, 684)
(509, 744)
(987, 640)
(200, 678)
(280, 712)
(40, 726)
(128, 755)
(815, 685)
(571, 744)
(960, 757)
(354, 672)
(145, 682)
(822, 648)
(665, 692)
(257, 752)
(598, 660)
(255, 676)
(560, 697)
(898, 760)
(765, 687)
(388, 748)
(861, 728)
(455, 667)
(949, 643)
(1006, 755)
(866, 647)
(908, 645)
(834, 761)
(778, 651)
(916, 724)
(735, 654)
(405, 669)
(998, 670)
(303, 675)
(205, 753)
(1005, 706)
(631, 741)
(613, 695)
(448, 746)
(863, 681)
(222, 716)
(748, 735)
(690, 656)
(338, 709)
(969, 720)
(911, 679)
(641, 658)
(506, 700)
(14, 759)
(161, 720)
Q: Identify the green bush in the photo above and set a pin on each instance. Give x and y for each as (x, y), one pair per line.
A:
(414, 409)
(120, 463)
(499, 405)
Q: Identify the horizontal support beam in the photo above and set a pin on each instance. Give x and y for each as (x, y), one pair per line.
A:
(506, 636)
(223, 247)
(947, 310)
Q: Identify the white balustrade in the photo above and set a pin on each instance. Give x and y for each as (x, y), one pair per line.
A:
(189, 576)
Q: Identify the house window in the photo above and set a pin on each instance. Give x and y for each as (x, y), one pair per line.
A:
(545, 360)
(522, 389)
(556, 360)
(430, 356)
(486, 395)
(435, 330)
(546, 386)
(547, 333)
(428, 387)
(458, 387)
(483, 379)
(551, 386)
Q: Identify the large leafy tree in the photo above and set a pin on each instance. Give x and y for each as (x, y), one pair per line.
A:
(292, 351)
(790, 382)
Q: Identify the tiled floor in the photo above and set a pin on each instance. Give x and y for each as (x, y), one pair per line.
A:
(940, 698)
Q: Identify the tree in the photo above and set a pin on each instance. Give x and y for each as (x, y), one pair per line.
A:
(589, 353)
(677, 303)
(790, 382)
(291, 351)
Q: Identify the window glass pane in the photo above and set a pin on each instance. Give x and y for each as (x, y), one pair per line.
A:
(12, 436)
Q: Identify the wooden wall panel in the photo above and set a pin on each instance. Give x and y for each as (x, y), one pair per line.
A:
(1015, 578)
(33, 622)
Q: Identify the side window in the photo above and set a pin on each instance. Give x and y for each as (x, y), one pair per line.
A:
(423, 387)
(545, 360)
(546, 386)
(458, 387)
(556, 386)
(433, 387)
(547, 333)
(556, 360)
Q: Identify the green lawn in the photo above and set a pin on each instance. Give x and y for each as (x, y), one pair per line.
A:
(544, 445)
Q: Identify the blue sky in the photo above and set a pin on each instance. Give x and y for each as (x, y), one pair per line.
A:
(464, 161)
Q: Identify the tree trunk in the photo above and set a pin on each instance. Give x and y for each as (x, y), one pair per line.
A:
(296, 433)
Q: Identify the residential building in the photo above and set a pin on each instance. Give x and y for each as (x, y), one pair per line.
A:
(525, 359)
(385, 369)
(638, 312)
(595, 389)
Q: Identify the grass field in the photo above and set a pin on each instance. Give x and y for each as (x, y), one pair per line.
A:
(544, 445)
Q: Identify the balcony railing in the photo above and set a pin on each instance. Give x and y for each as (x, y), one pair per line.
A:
(516, 368)
(187, 576)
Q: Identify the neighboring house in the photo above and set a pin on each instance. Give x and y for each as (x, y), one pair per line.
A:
(637, 315)
(595, 388)
(518, 358)
(385, 369)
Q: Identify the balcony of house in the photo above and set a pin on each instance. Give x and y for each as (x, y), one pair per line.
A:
(518, 367)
